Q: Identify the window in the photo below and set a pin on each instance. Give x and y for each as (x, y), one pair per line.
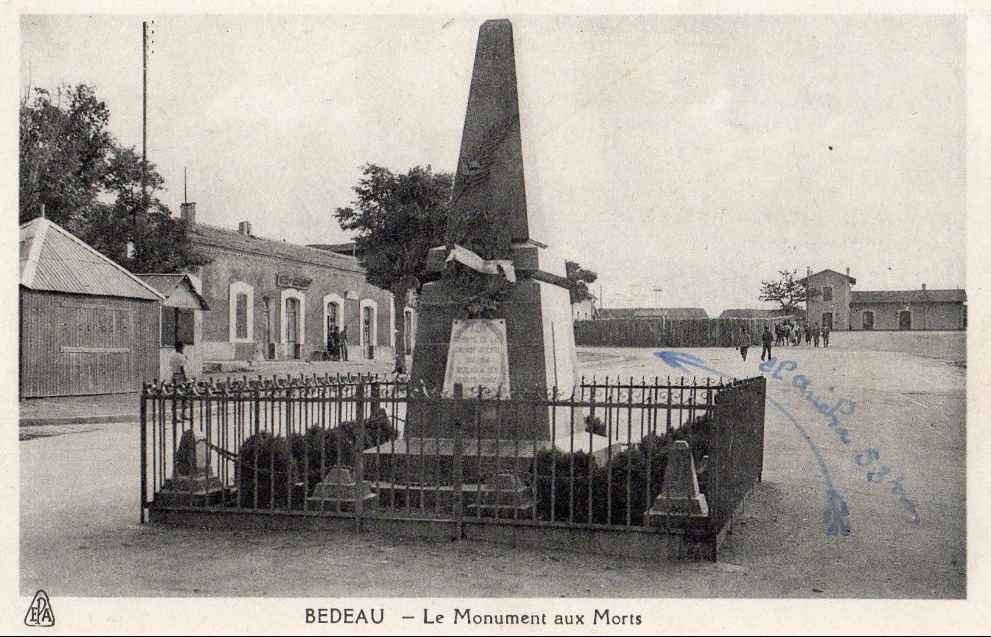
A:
(827, 294)
(242, 300)
(241, 316)
(368, 323)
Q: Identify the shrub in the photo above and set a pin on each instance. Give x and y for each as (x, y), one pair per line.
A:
(314, 453)
(279, 465)
(644, 462)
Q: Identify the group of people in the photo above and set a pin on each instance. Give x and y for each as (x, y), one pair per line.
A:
(337, 343)
(786, 333)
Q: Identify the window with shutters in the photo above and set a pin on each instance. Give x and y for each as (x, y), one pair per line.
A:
(827, 294)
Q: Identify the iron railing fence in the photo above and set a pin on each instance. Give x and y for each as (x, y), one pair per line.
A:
(338, 445)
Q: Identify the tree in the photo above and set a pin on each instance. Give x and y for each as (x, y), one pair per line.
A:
(63, 153)
(579, 278)
(786, 291)
(72, 165)
(397, 218)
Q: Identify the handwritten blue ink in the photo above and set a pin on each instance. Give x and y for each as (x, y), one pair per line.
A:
(836, 514)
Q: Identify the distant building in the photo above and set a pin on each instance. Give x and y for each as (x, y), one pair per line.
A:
(87, 325)
(672, 313)
(274, 300)
(841, 308)
(758, 313)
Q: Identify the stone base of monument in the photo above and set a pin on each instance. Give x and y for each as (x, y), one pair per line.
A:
(504, 495)
(339, 491)
(199, 490)
(431, 460)
(680, 502)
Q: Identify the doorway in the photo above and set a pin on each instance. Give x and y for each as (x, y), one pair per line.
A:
(827, 320)
(367, 331)
(292, 328)
(868, 320)
(905, 320)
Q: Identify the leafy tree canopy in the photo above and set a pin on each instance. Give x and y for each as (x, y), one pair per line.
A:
(786, 291)
(396, 218)
(72, 168)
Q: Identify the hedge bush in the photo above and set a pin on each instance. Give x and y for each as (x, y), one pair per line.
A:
(632, 461)
(317, 448)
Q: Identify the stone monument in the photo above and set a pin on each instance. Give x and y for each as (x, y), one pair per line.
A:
(193, 481)
(527, 345)
(521, 345)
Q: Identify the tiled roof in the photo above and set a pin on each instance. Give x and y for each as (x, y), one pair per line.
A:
(674, 313)
(54, 260)
(166, 285)
(852, 280)
(909, 296)
(202, 234)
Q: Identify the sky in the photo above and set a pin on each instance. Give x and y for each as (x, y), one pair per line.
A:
(695, 155)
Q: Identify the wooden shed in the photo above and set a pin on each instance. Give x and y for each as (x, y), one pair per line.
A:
(87, 325)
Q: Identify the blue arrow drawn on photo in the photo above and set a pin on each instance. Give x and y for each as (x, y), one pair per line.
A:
(836, 515)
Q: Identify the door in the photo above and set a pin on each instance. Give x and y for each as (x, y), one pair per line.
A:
(331, 322)
(292, 327)
(94, 353)
(366, 333)
(905, 320)
(868, 321)
(827, 320)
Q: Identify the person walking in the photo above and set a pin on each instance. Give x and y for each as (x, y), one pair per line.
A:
(343, 340)
(766, 339)
(334, 344)
(808, 335)
(815, 335)
(745, 343)
(825, 336)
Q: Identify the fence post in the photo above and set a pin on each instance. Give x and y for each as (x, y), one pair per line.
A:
(359, 448)
(144, 453)
(458, 467)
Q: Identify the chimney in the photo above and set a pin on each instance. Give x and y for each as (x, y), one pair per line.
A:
(244, 228)
(923, 287)
(187, 211)
(848, 273)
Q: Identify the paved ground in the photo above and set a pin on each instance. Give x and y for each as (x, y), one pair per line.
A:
(79, 531)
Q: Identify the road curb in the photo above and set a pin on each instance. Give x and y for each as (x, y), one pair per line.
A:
(76, 420)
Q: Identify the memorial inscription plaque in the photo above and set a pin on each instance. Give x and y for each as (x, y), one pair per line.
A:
(478, 357)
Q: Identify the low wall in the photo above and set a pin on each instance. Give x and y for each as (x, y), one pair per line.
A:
(643, 543)
(669, 333)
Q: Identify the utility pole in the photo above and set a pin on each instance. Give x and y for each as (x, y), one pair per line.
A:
(657, 297)
(132, 245)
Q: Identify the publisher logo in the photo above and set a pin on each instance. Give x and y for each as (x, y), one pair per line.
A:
(40, 611)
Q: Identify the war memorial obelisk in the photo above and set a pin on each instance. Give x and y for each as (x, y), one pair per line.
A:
(535, 313)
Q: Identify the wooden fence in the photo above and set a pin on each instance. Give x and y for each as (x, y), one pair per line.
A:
(661, 332)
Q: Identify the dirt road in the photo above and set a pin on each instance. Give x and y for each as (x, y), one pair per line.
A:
(79, 531)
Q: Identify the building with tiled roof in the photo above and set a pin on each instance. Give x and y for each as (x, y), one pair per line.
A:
(273, 299)
(833, 303)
